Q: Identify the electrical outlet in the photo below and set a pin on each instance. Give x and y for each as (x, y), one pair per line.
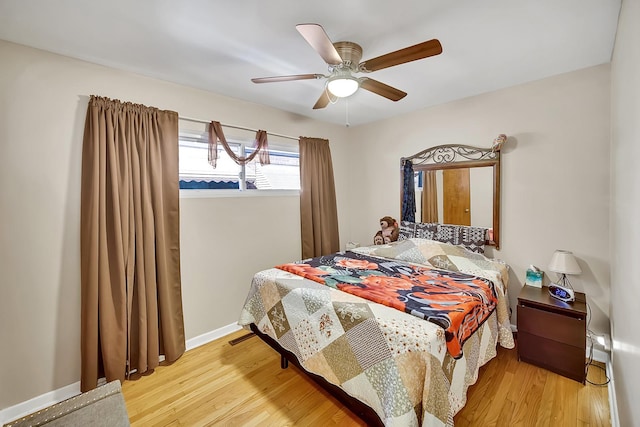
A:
(602, 341)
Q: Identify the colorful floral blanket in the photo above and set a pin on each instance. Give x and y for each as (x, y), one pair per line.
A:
(455, 258)
(457, 302)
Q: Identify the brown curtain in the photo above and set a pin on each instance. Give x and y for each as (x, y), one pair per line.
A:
(318, 209)
(429, 197)
(130, 241)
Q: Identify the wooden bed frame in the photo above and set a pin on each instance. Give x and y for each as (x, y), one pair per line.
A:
(365, 412)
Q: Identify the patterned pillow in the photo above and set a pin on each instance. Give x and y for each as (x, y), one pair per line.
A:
(406, 230)
(472, 238)
(421, 230)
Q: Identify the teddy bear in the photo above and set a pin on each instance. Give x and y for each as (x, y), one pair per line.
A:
(389, 231)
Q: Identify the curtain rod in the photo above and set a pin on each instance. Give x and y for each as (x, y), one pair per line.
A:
(189, 119)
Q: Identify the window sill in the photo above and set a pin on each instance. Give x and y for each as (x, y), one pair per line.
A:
(212, 194)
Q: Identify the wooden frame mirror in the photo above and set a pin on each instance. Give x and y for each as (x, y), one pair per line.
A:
(465, 185)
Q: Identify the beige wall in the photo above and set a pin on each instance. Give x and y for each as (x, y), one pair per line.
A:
(625, 214)
(223, 243)
(43, 100)
(555, 172)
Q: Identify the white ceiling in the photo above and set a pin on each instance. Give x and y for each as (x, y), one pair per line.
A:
(220, 45)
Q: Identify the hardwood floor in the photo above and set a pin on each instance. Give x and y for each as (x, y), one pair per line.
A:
(222, 385)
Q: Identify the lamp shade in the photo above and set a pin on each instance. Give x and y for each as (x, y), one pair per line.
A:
(342, 86)
(564, 262)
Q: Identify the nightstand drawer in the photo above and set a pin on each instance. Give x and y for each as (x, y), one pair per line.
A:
(553, 326)
(555, 356)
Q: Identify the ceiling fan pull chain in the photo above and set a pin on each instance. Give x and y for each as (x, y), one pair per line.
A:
(346, 100)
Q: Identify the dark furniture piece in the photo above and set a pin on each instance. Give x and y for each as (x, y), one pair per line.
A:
(551, 333)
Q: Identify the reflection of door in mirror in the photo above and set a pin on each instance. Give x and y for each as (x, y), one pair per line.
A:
(456, 196)
(462, 196)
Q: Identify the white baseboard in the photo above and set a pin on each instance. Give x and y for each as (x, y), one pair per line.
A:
(613, 403)
(66, 392)
(600, 356)
(39, 402)
(213, 335)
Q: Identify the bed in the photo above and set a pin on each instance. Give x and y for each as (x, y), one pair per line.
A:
(405, 359)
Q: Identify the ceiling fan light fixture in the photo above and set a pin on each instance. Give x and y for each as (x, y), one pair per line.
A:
(342, 86)
(343, 59)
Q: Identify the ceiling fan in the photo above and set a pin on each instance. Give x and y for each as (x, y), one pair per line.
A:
(343, 59)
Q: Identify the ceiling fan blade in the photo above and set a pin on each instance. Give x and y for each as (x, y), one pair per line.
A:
(381, 89)
(402, 56)
(315, 35)
(287, 78)
(324, 100)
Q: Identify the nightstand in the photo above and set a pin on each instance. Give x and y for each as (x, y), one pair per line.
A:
(552, 334)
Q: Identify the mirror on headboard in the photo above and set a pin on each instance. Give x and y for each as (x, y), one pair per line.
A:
(460, 185)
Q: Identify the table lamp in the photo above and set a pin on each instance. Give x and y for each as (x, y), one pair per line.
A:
(563, 263)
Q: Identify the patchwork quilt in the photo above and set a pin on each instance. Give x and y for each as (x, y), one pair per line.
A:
(395, 362)
(457, 302)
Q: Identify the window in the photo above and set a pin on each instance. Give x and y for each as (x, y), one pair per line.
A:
(417, 177)
(283, 173)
